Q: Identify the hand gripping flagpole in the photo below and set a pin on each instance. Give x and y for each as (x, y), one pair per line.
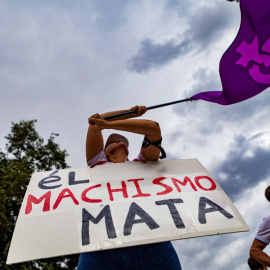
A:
(149, 108)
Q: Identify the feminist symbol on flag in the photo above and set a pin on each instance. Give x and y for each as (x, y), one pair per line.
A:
(250, 52)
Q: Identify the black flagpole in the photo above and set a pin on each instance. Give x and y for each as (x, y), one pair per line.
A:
(149, 108)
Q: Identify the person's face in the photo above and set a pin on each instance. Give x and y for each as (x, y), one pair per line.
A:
(117, 152)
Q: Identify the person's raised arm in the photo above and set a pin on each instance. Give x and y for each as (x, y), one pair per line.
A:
(94, 142)
(94, 139)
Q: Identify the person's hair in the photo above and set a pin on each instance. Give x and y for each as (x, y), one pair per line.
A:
(254, 265)
(267, 193)
(233, 0)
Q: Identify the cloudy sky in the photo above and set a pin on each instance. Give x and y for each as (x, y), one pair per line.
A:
(62, 61)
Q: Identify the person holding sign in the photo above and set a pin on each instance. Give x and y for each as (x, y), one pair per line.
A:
(262, 239)
(152, 256)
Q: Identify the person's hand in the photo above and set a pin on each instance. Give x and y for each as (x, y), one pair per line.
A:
(140, 110)
(96, 119)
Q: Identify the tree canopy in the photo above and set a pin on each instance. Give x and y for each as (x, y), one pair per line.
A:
(26, 152)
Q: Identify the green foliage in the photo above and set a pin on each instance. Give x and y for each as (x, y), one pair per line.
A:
(26, 153)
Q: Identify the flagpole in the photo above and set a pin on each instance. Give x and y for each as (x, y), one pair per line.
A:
(148, 108)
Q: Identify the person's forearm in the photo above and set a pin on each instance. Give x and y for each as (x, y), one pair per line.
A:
(145, 127)
(261, 257)
(120, 117)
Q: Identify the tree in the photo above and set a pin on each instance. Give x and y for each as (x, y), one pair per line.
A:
(26, 152)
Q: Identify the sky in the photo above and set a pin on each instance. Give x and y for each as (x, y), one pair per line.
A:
(63, 61)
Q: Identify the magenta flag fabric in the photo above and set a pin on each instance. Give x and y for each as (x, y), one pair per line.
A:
(244, 67)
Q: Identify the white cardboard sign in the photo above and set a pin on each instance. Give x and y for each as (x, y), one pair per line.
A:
(116, 205)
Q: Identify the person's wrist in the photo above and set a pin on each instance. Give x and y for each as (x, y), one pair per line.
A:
(107, 124)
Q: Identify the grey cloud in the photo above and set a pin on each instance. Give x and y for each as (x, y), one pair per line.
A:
(153, 55)
(209, 24)
(206, 26)
(245, 166)
(183, 7)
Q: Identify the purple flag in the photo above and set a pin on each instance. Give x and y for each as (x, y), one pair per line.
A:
(244, 67)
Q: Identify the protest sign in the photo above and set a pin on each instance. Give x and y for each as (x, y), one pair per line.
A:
(118, 205)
